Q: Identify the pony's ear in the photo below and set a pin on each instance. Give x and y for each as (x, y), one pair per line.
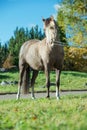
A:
(52, 18)
(43, 19)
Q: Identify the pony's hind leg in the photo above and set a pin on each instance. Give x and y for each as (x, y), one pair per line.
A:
(34, 76)
(25, 82)
(57, 83)
(21, 73)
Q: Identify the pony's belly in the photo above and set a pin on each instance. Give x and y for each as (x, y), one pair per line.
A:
(36, 66)
(35, 63)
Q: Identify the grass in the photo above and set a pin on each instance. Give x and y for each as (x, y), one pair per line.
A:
(8, 76)
(69, 113)
(69, 80)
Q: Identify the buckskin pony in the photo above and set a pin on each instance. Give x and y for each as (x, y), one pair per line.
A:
(44, 55)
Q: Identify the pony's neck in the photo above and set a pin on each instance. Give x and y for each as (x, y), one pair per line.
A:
(50, 41)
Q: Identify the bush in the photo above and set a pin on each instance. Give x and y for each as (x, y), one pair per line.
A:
(8, 62)
(75, 59)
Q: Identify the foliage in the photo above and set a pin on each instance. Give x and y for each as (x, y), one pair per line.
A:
(3, 53)
(62, 35)
(72, 17)
(69, 81)
(72, 22)
(20, 36)
(68, 113)
(8, 63)
(75, 59)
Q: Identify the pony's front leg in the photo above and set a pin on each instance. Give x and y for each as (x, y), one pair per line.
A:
(57, 83)
(47, 73)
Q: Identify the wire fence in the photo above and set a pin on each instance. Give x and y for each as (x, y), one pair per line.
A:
(75, 46)
(67, 45)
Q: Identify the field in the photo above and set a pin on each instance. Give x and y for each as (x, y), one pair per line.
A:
(68, 113)
(69, 80)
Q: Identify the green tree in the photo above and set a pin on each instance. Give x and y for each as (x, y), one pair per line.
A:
(0, 56)
(41, 35)
(15, 43)
(71, 17)
(3, 53)
(36, 32)
(32, 33)
(20, 36)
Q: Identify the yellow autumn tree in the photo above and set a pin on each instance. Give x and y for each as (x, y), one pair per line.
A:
(75, 59)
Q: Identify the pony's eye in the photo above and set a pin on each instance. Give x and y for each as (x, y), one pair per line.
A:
(52, 28)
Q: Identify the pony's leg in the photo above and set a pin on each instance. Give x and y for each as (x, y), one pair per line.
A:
(47, 73)
(57, 83)
(25, 80)
(34, 76)
(21, 73)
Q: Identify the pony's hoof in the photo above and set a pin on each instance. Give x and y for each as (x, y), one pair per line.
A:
(48, 97)
(33, 98)
(58, 98)
(17, 97)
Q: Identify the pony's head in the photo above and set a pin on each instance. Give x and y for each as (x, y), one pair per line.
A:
(51, 29)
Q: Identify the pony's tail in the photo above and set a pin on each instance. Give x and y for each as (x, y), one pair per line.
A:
(25, 82)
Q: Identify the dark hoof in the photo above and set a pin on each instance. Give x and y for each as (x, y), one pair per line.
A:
(48, 97)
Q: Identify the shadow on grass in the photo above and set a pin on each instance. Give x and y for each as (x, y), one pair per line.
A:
(73, 73)
(4, 77)
(13, 70)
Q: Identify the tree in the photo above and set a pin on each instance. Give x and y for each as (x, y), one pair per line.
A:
(36, 32)
(15, 43)
(32, 33)
(3, 53)
(0, 56)
(20, 36)
(41, 35)
(72, 17)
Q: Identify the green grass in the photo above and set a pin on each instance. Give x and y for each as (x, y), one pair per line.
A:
(69, 113)
(9, 76)
(69, 80)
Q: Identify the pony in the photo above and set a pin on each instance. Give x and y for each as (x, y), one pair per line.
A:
(38, 55)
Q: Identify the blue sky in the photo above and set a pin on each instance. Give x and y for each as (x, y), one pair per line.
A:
(23, 13)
